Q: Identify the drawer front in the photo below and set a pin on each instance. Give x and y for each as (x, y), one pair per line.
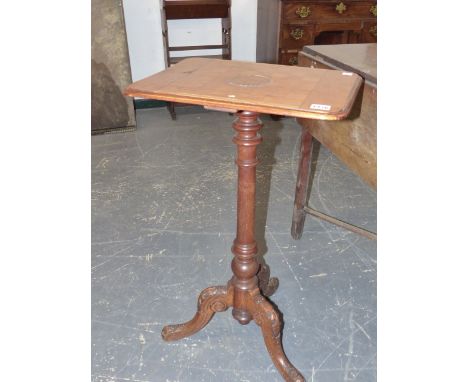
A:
(288, 58)
(369, 33)
(308, 62)
(334, 10)
(296, 36)
(338, 26)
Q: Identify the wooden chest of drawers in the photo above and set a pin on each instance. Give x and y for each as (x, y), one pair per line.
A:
(309, 22)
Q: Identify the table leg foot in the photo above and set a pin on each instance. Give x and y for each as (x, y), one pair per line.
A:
(269, 321)
(268, 285)
(211, 300)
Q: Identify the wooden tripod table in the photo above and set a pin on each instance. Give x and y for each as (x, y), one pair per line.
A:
(249, 89)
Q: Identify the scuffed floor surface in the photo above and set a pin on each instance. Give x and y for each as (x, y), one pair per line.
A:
(163, 221)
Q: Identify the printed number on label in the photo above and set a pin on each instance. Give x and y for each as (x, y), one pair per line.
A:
(318, 106)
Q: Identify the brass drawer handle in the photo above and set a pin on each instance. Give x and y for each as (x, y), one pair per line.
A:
(303, 11)
(373, 31)
(293, 61)
(340, 8)
(297, 33)
(373, 10)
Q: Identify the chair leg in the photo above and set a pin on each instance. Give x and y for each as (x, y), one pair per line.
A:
(302, 182)
(171, 109)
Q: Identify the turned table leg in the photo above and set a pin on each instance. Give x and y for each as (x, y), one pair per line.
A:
(251, 280)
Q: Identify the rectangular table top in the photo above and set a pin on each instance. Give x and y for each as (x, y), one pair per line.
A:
(359, 58)
(264, 88)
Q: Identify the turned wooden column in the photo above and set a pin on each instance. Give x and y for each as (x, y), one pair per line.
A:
(248, 302)
(245, 265)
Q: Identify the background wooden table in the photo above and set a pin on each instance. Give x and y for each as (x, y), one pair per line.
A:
(353, 141)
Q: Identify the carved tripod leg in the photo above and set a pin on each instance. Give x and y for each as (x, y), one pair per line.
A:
(211, 300)
(267, 285)
(269, 321)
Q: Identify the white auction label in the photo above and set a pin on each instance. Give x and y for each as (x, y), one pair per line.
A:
(318, 106)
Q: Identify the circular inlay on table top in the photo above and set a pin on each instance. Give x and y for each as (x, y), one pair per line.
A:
(249, 80)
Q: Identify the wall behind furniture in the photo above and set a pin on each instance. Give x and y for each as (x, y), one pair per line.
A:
(110, 68)
(145, 43)
(267, 30)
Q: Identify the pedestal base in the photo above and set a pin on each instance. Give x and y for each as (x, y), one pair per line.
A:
(220, 298)
(250, 283)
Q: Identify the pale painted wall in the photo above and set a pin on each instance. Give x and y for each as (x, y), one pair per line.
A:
(145, 43)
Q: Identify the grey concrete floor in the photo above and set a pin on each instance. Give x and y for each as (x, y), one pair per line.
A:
(163, 221)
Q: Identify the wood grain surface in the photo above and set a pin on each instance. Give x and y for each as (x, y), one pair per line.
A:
(256, 87)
